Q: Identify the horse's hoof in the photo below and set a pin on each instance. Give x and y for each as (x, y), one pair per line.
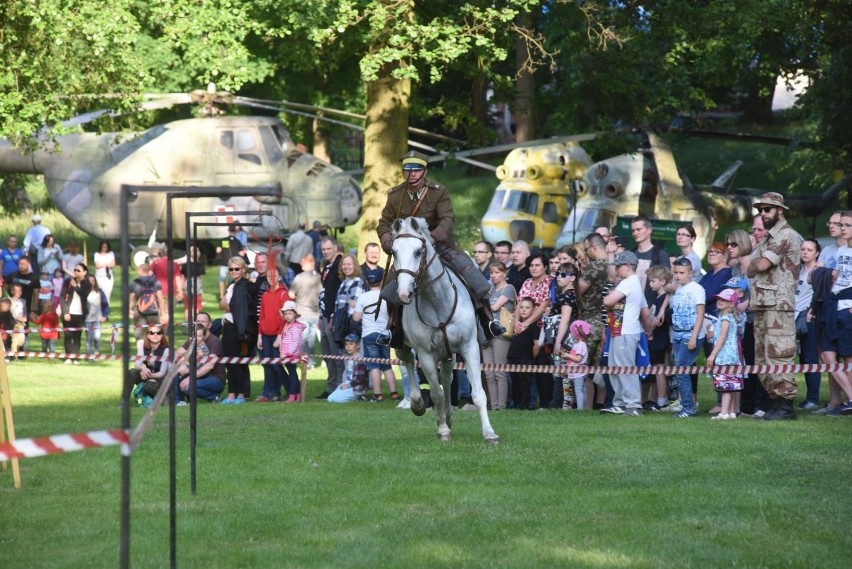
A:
(495, 440)
(446, 437)
(418, 410)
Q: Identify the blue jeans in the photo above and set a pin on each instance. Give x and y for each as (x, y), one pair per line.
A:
(809, 355)
(208, 387)
(273, 374)
(683, 356)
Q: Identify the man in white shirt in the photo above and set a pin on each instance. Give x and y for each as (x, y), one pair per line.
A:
(371, 326)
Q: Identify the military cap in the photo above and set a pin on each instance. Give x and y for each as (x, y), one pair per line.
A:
(773, 199)
(413, 160)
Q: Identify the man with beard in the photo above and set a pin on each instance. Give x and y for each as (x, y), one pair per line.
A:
(774, 271)
(330, 278)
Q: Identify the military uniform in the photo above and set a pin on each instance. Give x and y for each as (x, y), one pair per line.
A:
(773, 298)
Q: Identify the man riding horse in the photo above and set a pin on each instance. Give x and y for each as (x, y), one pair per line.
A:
(430, 200)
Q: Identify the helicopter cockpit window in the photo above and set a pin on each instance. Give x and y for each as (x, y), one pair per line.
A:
(522, 201)
(548, 213)
(273, 150)
(246, 145)
(226, 138)
(128, 146)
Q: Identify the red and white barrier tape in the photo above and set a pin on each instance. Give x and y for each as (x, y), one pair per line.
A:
(518, 368)
(69, 442)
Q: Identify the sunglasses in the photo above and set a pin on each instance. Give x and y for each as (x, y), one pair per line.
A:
(234, 269)
(563, 274)
(730, 244)
(683, 262)
(155, 333)
(765, 209)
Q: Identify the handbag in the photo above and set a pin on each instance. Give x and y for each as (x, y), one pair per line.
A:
(507, 319)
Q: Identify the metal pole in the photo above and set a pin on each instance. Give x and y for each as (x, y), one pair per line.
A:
(124, 550)
(170, 274)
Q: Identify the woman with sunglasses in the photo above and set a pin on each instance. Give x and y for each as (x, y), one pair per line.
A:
(152, 363)
(73, 307)
(238, 331)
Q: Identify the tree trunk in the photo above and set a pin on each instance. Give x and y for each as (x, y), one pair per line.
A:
(385, 141)
(320, 149)
(525, 86)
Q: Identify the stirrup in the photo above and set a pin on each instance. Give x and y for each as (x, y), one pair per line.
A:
(495, 328)
(385, 338)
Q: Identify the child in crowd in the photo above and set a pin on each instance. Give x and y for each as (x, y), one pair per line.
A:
(687, 330)
(555, 334)
(289, 343)
(7, 324)
(354, 384)
(624, 319)
(20, 313)
(45, 288)
(48, 323)
(727, 350)
(523, 349)
(659, 341)
(578, 356)
(58, 281)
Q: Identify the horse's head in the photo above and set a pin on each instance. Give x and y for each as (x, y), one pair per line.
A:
(412, 249)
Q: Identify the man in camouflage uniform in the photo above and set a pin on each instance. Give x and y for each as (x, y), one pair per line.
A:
(435, 207)
(593, 286)
(774, 271)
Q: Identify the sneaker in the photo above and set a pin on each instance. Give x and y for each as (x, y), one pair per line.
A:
(759, 414)
(842, 409)
(822, 410)
(674, 407)
(67, 362)
(404, 404)
(614, 409)
(262, 399)
(227, 401)
(181, 404)
(684, 415)
(650, 406)
(633, 412)
(807, 405)
(239, 400)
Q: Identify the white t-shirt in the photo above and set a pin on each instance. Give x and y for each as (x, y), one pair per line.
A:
(369, 323)
(684, 305)
(844, 275)
(631, 288)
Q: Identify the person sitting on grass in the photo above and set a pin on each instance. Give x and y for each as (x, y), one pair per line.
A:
(210, 373)
(354, 384)
(152, 362)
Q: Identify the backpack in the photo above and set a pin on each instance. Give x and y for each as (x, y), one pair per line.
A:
(146, 303)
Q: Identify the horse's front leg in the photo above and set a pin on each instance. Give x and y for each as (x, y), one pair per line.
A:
(473, 365)
(446, 376)
(418, 406)
(439, 395)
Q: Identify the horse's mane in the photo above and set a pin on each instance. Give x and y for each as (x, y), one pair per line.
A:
(415, 225)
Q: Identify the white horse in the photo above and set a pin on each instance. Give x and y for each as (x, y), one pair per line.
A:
(439, 321)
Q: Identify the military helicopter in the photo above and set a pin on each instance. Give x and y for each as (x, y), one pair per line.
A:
(648, 182)
(83, 172)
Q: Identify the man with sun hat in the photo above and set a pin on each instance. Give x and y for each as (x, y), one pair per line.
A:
(774, 270)
(420, 197)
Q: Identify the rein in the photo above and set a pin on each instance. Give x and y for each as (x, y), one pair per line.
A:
(417, 276)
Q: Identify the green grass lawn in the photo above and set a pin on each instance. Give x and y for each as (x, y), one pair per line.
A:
(367, 485)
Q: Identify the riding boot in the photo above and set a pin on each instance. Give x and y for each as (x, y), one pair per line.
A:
(392, 336)
(490, 325)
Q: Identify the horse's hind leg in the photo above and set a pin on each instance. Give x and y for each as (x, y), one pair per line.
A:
(473, 365)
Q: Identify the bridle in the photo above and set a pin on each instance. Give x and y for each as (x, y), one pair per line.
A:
(423, 270)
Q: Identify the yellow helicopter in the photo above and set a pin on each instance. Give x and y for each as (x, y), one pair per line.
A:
(84, 172)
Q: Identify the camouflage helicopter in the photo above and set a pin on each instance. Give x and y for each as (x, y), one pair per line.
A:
(648, 182)
(83, 172)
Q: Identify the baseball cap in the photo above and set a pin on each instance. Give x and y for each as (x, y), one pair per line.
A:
(351, 338)
(729, 295)
(736, 282)
(374, 276)
(626, 258)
